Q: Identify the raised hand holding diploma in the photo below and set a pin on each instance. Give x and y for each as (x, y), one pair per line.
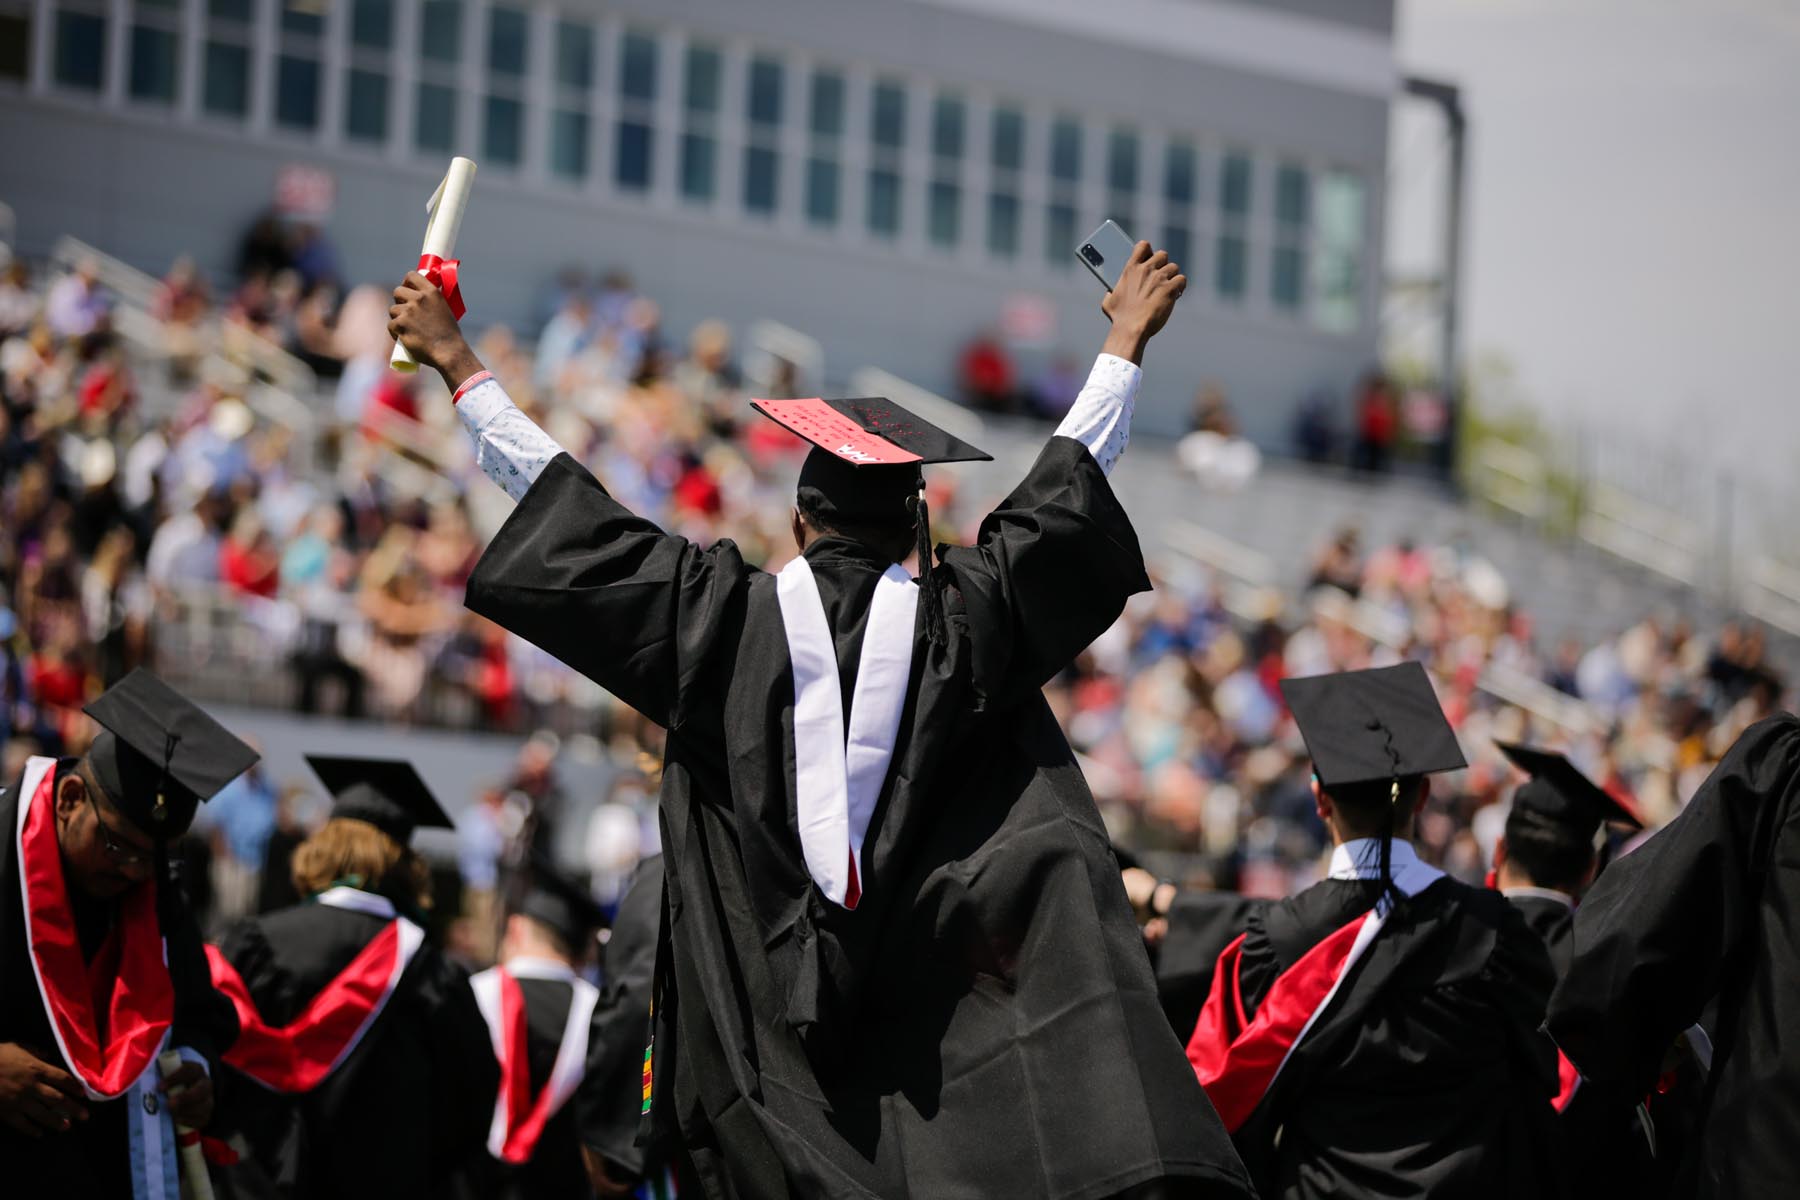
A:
(445, 211)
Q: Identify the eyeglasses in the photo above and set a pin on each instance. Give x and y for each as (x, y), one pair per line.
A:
(122, 853)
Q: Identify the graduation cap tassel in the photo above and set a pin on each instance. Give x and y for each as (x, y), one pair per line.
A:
(934, 608)
(159, 816)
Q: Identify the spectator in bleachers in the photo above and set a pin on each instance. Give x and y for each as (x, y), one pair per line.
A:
(19, 305)
(77, 305)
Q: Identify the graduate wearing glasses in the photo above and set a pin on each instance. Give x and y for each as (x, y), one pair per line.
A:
(101, 965)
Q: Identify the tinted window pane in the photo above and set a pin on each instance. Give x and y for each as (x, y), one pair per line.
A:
(631, 166)
(80, 49)
(506, 41)
(1178, 174)
(1122, 161)
(15, 36)
(434, 125)
(574, 55)
(884, 202)
(227, 81)
(697, 152)
(1228, 268)
(1009, 139)
(230, 10)
(1177, 241)
(765, 92)
(1003, 225)
(945, 223)
(887, 116)
(1289, 268)
(701, 93)
(1065, 151)
(569, 144)
(372, 24)
(1291, 196)
(637, 68)
(504, 121)
(947, 127)
(759, 180)
(1234, 185)
(440, 30)
(296, 92)
(305, 21)
(1059, 234)
(365, 106)
(827, 109)
(152, 64)
(821, 191)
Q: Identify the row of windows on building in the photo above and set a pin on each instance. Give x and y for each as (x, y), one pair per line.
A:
(1311, 226)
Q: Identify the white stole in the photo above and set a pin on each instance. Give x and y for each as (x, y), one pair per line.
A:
(838, 775)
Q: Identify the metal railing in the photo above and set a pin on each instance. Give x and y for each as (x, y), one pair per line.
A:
(137, 292)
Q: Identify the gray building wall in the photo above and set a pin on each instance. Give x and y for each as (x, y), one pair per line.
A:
(148, 184)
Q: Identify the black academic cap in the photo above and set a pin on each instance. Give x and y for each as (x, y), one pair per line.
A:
(562, 904)
(385, 792)
(1372, 726)
(867, 454)
(158, 755)
(1559, 791)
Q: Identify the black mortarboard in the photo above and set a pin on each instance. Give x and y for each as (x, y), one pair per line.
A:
(158, 755)
(867, 455)
(1372, 726)
(1559, 792)
(385, 792)
(563, 905)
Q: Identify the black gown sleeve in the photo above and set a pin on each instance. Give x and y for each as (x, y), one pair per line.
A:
(1201, 925)
(633, 608)
(1050, 570)
(610, 1101)
(1661, 927)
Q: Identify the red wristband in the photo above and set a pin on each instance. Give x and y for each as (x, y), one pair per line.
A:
(478, 377)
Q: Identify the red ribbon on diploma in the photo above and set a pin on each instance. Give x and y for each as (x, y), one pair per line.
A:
(442, 273)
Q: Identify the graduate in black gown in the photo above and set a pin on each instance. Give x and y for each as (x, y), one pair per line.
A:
(363, 1067)
(1377, 1034)
(1542, 864)
(900, 959)
(539, 1014)
(87, 998)
(1702, 915)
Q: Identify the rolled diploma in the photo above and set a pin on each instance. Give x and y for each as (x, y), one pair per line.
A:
(196, 1184)
(446, 214)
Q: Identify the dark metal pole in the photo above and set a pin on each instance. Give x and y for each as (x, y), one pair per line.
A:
(1448, 98)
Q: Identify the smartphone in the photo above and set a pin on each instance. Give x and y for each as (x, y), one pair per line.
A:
(1106, 251)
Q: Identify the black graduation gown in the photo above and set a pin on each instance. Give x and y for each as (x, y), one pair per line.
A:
(93, 1158)
(407, 1106)
(1705, 912)
(555, 1170)
(1554, 923)
(1603, 1146)
(1426, 1074)
(609, 1104)
(984, 1022)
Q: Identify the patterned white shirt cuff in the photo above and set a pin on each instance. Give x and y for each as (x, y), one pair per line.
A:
(191, 1055)
(1100, 418)
(509, 447)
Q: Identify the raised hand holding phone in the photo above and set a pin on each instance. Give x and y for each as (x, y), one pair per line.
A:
(1139, 304)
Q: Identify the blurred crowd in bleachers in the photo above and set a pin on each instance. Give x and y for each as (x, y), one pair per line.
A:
(321, 567)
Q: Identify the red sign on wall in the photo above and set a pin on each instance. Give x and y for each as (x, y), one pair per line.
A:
(305, 192)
